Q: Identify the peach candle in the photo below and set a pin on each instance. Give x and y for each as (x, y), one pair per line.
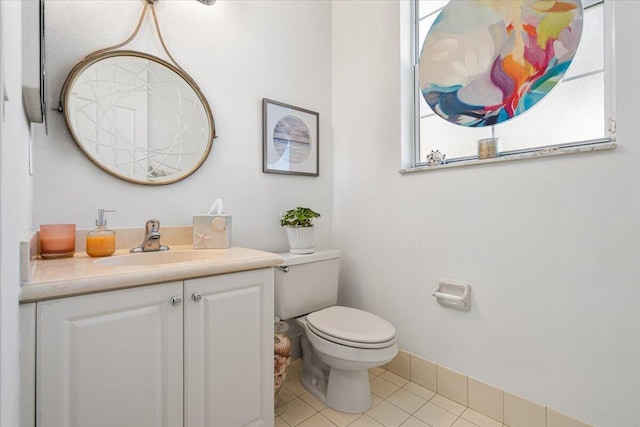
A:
(57, 240)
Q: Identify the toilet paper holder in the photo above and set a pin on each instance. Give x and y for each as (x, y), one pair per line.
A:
(453, 294)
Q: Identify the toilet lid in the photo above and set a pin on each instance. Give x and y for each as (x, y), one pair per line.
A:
(351, 325)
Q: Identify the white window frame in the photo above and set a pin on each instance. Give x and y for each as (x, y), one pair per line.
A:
(603, 143)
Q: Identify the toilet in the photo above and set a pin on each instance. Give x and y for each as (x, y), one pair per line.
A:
(339, 344)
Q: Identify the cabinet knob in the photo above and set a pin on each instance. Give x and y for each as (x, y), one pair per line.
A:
(197, 297)
(176, 300)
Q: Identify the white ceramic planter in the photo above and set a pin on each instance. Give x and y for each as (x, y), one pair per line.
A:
(300, 240)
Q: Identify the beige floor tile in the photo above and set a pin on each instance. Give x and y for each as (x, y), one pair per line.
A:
(448, 404)
(393, 378)
(452, 385)
(312, 401)
(556, 419)
(382, 387)
(295, 387)
(296, 364)
(519, 412)
(375, 400)
(341, 419)
(435, 416)
(317, 421)
(461, 422)
(286, 394)
(377, 371)
(406, 400)
(292, 375)
(423, 373)
(479, 419)
(394, 399)
(401, 365)
(388, 415)
(414, 388)
(297, 411)
(486, 399)
(365, 421)
(414, 422)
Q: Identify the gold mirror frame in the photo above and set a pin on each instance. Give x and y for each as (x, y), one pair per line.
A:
(130, 154)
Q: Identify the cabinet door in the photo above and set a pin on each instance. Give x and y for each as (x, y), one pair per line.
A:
(229, 350)
(111, 359)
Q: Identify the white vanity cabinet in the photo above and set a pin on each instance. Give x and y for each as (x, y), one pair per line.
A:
(111, 359)
(229, 350)
(195, 353)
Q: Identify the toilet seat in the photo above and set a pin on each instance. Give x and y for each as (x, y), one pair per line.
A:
(350, 343)
(351, 327)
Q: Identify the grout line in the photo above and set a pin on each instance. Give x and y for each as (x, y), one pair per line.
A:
(468, 395)
(332, 423)
(546, 415)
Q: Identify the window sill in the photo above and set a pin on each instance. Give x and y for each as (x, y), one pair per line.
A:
(546, 152)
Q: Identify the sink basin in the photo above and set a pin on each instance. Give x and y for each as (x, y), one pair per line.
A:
(157, 258)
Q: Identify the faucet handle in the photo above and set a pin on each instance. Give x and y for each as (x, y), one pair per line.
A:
(152, 226)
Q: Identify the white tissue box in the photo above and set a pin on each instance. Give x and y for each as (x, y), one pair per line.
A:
(212, 231)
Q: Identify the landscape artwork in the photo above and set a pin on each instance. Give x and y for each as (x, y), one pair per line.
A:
(290, 139)
(484, 62)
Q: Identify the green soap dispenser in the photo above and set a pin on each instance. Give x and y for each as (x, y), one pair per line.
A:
(101, 241)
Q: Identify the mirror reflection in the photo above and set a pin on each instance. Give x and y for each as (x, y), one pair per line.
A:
(138, 117)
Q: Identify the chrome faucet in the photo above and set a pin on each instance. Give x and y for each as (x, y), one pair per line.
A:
(151, 240)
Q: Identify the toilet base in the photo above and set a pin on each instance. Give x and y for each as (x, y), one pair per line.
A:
(345, 391)
(340, 382)
(349, 391)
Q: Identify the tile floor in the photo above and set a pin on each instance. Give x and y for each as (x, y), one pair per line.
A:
(396, 402)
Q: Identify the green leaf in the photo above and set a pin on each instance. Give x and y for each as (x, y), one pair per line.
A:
(298, 217)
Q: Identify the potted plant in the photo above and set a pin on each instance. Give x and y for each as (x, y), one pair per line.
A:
(299, 224)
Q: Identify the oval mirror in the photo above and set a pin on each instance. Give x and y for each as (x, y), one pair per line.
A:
(138, 117)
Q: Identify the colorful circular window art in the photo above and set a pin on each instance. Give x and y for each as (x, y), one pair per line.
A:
(485, 62)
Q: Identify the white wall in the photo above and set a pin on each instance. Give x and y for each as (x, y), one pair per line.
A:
(550, 246)
(15, 205)
(238, 52)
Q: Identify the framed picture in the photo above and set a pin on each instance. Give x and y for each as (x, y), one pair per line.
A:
(290, 139)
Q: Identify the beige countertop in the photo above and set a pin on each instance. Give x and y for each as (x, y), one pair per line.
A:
(55, 278)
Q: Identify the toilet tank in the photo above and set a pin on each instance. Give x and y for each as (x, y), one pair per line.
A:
(310, 284)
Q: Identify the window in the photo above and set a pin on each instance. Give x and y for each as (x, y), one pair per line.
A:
(577, 115)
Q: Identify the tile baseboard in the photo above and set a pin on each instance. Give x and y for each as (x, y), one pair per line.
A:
(483, 398)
